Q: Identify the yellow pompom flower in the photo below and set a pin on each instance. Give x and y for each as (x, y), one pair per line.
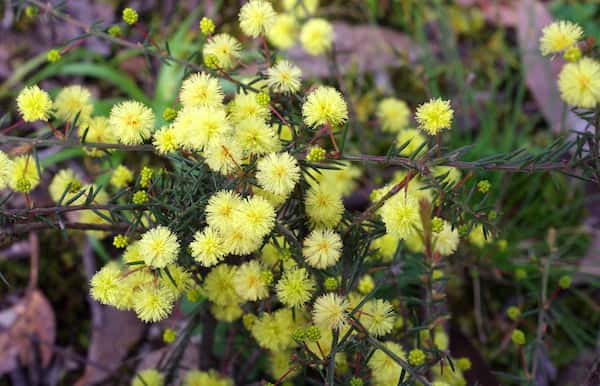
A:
(245, 106)
(223, 155)
(131, 122)
(249, 281)
(322, 248)
(325, 106)
(330, 311)
(393, 114)
(284, 31)
(221, 209)
(181, 282)
(446, 241)
(559, 36)
(256, 216)
(165, 140)
(579, 83)
(121, 177)
(219, 287)
(105, 285)
(386, 247)
(194, 127)
(316, 36)
(159, 247)
(153, 303)
(148, 377)
(256, 17)
(239, 241)
(24, 174)
(205, 378)
(207, 26)
(256, 137)
(227, 313)
(207, 247)
(273, 331)
(224, 49)
(6, 166)
(97, 131)
(366, 284)
(414, 138)
(295, 287)
(378, 317)
(34, 104)
(278, 173)
(385, 370)
(201, 89)
(130, 16)
(71, 101)
(323, 207)
(284, 77)
(400, 215)
(434, 116)
(65, 184)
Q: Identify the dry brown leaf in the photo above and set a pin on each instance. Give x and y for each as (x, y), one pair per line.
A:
(29, 321)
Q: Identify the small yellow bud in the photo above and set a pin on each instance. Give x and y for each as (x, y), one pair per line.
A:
(518, 337)
(316, 154)
(169, 335)
(513, 312)
(207, 26)
(53, 55)
(484, 186)
(416, 357)
(211, 61)
(140, 197)
(565, 282)
(145, 177)
(31, 11)
(313, 333)
(572, 54)
(263, 98)
(169, 114)
(437, 224)
(115, 30)
(120, 241)
(130, 16)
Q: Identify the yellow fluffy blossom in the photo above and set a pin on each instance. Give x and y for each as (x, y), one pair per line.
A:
(165, 140)
(385, 370)
(325, 106)
(121, 177)
(284, 77)
(330, 311)
(105, 285)
(316, 36)
(6, 166)
(207, 26)
(131, 122)
(34, 104)
(386, 247)
(446, 241)
(249, 281)
(65, 184)
(223, 49)
(273, 331)
(224, 155)
(221, 209)
(153, 303)
(295, 287)
(24, 175)
(178, 280)
(207, 247)
(559, 36)
(579, 83)
(256, 137)
(284, 31)
(278, 173)
(239, 241)
(377, 316)
(322, 248)
(256, 17)
(414, 138)
(256, 216)
(323, 206)
(366, 284)
(434, 116)
(148, 377)
(201, 89)
(393, 114)
(227, 313)
(194, 127)
(205, 378)
(400, 215)
(245, 105)
(219, 287)
(159, 247)
(97, 130)
(72, 101)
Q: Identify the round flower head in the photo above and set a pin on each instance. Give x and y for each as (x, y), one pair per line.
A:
(177, 281)
(393, 114)
(316, 36)
(65, 185)
(245, 106)
(148, 377)
(6, 166)
(559, 36)
(223, 155)
(414, 138)
(284, 77)
(283, 32)
(227, 313)
(131, 122)
(378, 317)
(72, 101)
(324, 207)
(224, 49)
(105, 285)
(249, 281)
(278, 173)
(400, 215)
(256, 17)
(153, 303)
(273, 331)
(221, 209)
(24, 176)
(322, 248)
(256, 137)
(239, 240)
(97, 131)
(159, 247)
(194, 127)
(34, 104)
(219, 287)
(207, 247)
(165, 140)
(205, 378)
(579, 83)
(121, 177)
(325, 106)
(385, 370)
(295, 287)
(201, 89)
(330, 311)
(434, 116)
(446, 241)
(256, 216)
